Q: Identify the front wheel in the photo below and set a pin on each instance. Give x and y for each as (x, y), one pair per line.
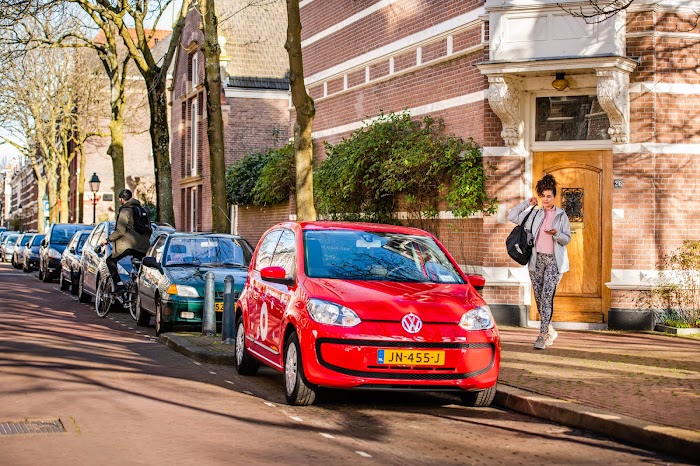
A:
(244, 363)
(103, 296)
(161, 327)
(297, 389)
(62, 283)
(143, 318)
(479, 399)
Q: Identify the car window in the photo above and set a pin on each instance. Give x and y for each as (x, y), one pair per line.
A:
(266, 249)
(94, 238)
(360, 255)
(214, 251)
(157, 249)
(80, 240)
(37, 240)
(11, 240)
(285, 253)
(25, 240)
(61, 234)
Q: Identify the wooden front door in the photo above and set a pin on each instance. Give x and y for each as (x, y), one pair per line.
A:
(584, 185)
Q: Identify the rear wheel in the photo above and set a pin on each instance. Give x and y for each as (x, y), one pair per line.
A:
(103, 296)
(143, 318)
(83, 297)
(161, 327)
(244, 362)
(25, 269)
(44, 274)
(297, 389)
(62, 283)
(479, 399)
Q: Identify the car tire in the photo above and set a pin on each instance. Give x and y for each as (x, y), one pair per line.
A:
(44, 275)
(297, 389)
(73, 285)
(25, 269)
(83, 297)
(244, 363)
(143, 318)
(480, 398)
(161, 327)
(62, 283)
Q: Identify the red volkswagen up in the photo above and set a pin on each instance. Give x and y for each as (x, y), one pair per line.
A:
(365, 306)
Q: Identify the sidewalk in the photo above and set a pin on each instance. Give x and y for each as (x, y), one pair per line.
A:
(638, 388)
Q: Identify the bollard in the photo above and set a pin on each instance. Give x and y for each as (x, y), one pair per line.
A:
(227, 322)
(208, 313)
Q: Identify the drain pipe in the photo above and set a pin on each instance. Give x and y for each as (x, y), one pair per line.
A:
(208, 313)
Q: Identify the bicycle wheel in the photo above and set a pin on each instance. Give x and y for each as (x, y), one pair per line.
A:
(103, 296)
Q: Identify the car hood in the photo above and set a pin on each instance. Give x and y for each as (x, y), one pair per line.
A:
(194, 276)
(390, 301)
(58, 247)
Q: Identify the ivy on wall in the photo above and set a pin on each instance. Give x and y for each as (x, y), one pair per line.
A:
(392, 164)
(396, 163)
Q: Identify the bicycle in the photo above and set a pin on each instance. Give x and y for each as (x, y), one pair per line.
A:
(105, 298)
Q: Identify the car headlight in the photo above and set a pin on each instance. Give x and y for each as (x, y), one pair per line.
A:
(479, 318)
(53, 254)
(183, 291)
(328, 313)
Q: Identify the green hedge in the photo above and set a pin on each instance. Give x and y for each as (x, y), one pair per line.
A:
(262, 178)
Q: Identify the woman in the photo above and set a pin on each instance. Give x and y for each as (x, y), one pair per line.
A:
(551, 232)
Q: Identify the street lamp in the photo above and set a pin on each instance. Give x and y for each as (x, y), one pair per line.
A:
(94, 187)
(19, 209)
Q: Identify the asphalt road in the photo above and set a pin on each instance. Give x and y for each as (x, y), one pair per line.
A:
(123, 398)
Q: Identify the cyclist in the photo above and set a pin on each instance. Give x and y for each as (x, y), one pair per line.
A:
(125, 239)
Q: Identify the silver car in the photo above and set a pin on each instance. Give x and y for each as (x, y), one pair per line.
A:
(8, 247)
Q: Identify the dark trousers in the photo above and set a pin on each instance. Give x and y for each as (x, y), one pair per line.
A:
(112, 263)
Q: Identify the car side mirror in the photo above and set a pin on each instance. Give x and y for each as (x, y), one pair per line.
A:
(276, 275)
(150, 261)
(72, 250)
(98, 249)
(477, 281)
(43, 243)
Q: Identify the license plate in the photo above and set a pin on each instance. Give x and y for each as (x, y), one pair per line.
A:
(410, 357)
(219, 307)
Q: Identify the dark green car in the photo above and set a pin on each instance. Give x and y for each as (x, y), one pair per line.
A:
(171, 279)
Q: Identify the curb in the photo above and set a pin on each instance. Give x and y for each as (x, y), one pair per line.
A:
(671, 440)
(194, 352)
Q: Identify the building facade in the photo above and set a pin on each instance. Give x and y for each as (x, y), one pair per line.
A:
(255, 103)
(609, 108)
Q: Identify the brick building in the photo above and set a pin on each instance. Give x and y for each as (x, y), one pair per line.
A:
(622, 137)
(255, 103)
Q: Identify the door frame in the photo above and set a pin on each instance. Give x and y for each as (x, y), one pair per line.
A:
(605, 165)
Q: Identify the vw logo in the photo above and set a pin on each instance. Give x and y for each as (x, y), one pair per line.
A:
(411, 323)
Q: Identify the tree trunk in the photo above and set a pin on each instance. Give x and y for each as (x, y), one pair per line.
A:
(215, 124)
(81, 184)
(305, 113)
(160, 143)
(116, 152)
(40, 220)
(64, 191)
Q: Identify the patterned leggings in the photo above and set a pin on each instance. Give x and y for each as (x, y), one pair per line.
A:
(545, 279)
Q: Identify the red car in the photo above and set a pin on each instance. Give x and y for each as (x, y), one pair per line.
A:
(365, 306)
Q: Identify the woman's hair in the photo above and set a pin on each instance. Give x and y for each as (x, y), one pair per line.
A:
(547, 183)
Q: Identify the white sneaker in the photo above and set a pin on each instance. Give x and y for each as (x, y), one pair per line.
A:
(551, 336)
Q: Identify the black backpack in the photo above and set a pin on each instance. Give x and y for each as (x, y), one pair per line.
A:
(142, 220)
(520, 242)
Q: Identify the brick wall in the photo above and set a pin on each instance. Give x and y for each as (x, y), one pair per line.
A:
(254, 221)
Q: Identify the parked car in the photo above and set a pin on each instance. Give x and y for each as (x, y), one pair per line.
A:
(7, 246)
(171, 280)
(57, 238)
(30, 259)
(365, 306)
(70, 261)
(18, 252)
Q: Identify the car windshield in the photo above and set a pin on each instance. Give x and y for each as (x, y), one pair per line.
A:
(361, 255)
(63, 234)
(208, 250)
(25, 240)
(37, 240)
(11, 240)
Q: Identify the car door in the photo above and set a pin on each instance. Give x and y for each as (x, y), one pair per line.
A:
(91, 259)
(277, 294)
(257, 307)
(150, 277)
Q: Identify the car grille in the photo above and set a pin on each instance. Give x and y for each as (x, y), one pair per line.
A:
(408, 373)
(220, 295)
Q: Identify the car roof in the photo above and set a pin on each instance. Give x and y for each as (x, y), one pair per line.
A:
(361, 226)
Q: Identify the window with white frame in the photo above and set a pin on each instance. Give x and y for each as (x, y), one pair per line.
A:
(193, 209)
(195, 70)
(195, 137)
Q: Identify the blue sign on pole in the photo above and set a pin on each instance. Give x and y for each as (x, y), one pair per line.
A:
(46, 208)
